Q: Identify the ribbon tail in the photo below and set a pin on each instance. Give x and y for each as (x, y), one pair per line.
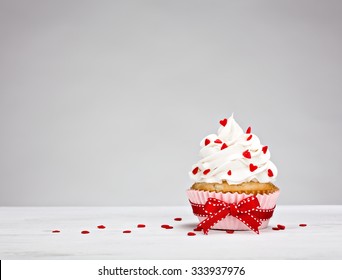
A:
(251, 221)
(213, 219)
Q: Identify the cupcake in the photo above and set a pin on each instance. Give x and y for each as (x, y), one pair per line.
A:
(233, 185)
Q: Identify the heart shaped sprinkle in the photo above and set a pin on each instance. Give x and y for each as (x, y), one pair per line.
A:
(127, 231)
(230, 231)
(56, 231)
(223, 122)
(190, 233)
(249, 130)
(85, 232)
(101, 227)
(270, 173)
(218, 141)
(178, 219)
(205, 172)
(249, 137)
(195, 170)
(224, 145)
(264, 149)
(167, 226)
(252, 167)
(229, 172)
(141, 226)
(206, 142)
(246, 154)
(281, 227)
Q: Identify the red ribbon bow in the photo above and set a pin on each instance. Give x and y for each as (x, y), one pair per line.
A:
(247, 211)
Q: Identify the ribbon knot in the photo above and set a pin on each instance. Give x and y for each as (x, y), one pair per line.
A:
(233, 210)
(247, 211)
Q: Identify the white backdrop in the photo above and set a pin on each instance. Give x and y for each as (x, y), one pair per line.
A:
(105, 102)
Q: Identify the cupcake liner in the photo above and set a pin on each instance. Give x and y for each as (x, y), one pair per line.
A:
(267, 201)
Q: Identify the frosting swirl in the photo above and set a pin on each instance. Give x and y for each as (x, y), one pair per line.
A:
(234, 156)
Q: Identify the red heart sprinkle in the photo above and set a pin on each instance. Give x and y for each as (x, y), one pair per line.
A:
(302, 225)
(205, 172)
(229, 172)
(167, 226)
(197, 229)
(195, 171)
(101, 227)
(190, 233)
(177, 219)
(218, 141)
(249, 137)
(270, 173)
(127, 231)
(264, 149)
(275, 228)
(252, 167)
(249, 129)
(141, 226)
(223, 122)
(246, 154)
(206, 142)
(230, 231)
(85, 232)
(224, 145)
(282, 227)
(56, 231)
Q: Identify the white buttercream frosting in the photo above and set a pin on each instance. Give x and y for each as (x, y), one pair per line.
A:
(234, 156)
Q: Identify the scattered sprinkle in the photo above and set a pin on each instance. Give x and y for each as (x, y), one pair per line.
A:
(282, 227)
(141, 226)
(230, 231)
(56, 231)
(275, 228)
(302, 225)
(218, 141)
(264, 149)
(249, 137)
(249, 130)
(197, 229)
(229, 172)
(190, 233)
(127, 231)
(85, 232)
(177, 219)
(167, 226)
(206, 142)
(101, 227)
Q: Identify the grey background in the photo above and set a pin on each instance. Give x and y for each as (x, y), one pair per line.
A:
(105, 102)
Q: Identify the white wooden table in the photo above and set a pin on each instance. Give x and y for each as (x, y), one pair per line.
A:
(25, 233)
